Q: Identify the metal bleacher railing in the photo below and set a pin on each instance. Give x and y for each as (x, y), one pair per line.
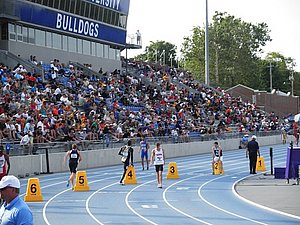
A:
(12, 60)
(17, 149)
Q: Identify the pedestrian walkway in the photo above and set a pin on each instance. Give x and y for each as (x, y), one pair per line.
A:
(273, 193)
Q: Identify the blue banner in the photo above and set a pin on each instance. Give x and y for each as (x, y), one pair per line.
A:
(118, 5)
(71, 24)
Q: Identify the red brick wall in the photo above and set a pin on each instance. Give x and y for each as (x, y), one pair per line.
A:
(281, 105)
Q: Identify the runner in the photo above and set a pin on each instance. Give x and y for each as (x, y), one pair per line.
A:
(74, 158)
(127, 156)
(158, 157)
(217, 155)
(144, 146)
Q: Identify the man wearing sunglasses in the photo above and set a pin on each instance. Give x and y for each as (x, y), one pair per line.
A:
(14, 211)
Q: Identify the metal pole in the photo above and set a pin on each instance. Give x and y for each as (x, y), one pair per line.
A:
(126, 58)
(47, 161)
(271, 158)
(292, 83)
(271, 82)
(206, 47)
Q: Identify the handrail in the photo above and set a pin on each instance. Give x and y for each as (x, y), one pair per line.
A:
(12, 60)
(86, 70)
(85, 145)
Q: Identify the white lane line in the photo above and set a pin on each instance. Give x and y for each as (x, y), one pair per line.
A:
(258, 205)
(221, 209)
(132, 210)
(103, 188)
(233, 190)
(48, 202)
(177, 210)
(164, 193)
(52, 199)
(44, 209)
(167, 202)
(90, 197)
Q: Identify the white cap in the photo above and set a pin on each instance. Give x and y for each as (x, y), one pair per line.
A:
(254, 137)
(9, 181)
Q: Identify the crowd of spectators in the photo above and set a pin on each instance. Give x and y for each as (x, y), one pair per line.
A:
(68, 105)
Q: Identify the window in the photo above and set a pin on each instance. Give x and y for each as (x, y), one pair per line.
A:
(79, 45)
(72, 6)
(65, 43)
(99, 14)
(40, 38)
(48, 40)
(87, 10)
(31, 37)
(78, 7)
(82, 8)
(118, 54)
(12, 31)
(72, 44)
(106, 51)
(25, 34)
(50, 3)
(113, 18)
(122, 21)
(86, 47)
(19, 33)
(99, 50)
(56, 4)
(112, 53)
(107, 15)
(4, 31)
(11, 28)
(64, 5)
(56, 41)
(92, 13)
(93, 48)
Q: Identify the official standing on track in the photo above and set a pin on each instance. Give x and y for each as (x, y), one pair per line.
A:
(252, 151)
(74, 158)
(128, 157)
(14, 211)
(217, 155)
(158, 156)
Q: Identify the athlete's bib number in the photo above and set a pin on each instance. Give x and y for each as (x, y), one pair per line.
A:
(73, 156)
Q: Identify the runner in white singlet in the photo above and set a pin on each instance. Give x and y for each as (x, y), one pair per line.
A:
(158, 159)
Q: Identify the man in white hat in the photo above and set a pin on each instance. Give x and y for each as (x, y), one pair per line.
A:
(14, 210)
(252, 150)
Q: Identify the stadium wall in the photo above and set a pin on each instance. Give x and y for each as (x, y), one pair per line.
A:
(22, 165)
(49, 54)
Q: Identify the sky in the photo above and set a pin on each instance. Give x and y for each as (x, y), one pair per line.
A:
(172, 20)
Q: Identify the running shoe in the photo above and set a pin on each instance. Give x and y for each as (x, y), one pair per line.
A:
(68, 183)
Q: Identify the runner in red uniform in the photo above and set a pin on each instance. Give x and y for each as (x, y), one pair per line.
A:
(4, 159)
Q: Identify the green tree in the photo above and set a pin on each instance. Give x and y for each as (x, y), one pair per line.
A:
(159, 52)
(234, 46)
(279, 68)
(193, 53)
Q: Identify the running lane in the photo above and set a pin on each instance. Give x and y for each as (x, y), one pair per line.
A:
(197, 197)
